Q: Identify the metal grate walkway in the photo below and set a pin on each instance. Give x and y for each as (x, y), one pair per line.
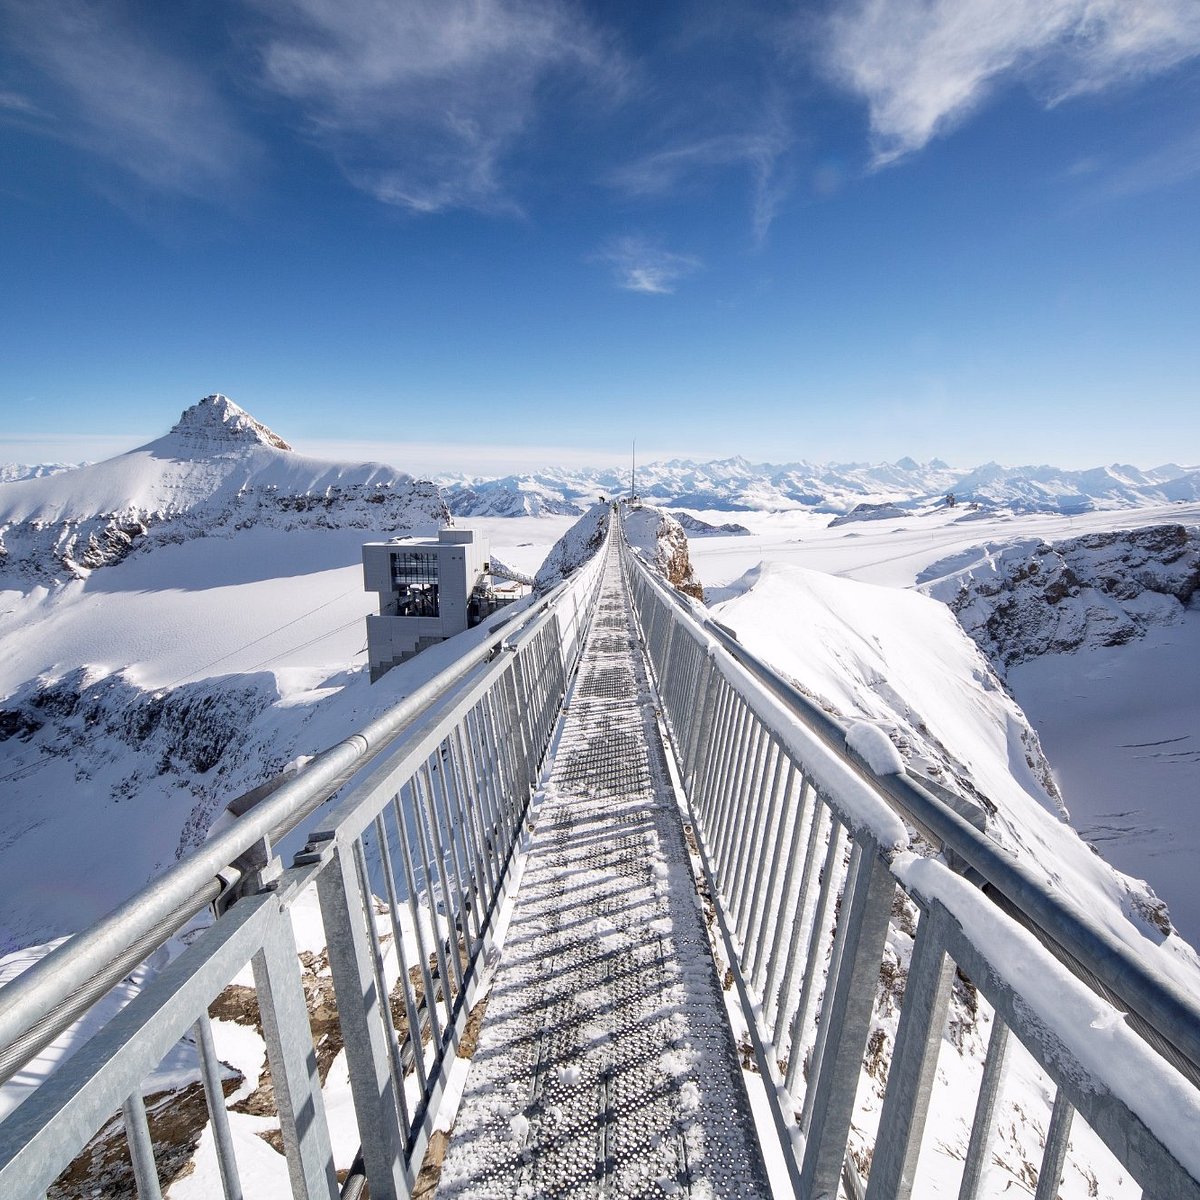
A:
(606, 1067)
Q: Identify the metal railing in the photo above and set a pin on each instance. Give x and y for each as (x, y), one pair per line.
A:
(432, 822)
(808, 855)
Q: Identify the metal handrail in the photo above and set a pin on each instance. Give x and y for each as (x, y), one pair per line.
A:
(1168, 1016)
(91, 961)
(803, 849)
(453, 769)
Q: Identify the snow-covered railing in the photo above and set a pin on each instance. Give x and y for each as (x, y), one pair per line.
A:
(835, 910)
(431, 823)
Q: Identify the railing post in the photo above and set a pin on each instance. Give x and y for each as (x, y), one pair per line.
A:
(361, 1010)
(985, 1109)
(293, 1063)
(914, 1060)
(847, 1022)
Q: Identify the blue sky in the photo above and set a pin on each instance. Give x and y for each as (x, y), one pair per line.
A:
(488, 234)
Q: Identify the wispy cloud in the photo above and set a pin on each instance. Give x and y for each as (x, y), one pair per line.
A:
(666, 171)
(14, 102)
(641, 266)
(420, 101)
(123, 99)
(924, 65)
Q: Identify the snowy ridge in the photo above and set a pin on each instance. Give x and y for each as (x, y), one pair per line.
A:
(899, 661)
(217, 471)
(576, 547)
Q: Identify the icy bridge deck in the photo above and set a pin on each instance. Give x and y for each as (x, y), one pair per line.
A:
(606, 1066)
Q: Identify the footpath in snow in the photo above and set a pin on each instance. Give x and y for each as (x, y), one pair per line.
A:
(606, 1066)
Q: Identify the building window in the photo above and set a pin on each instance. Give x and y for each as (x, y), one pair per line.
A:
(415, 583)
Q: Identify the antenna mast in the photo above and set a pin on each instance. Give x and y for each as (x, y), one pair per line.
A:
(633, 472)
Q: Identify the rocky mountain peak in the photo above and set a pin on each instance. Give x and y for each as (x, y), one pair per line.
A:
(217, 423)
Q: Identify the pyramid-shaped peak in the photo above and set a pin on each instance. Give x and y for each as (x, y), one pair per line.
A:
(216, 422)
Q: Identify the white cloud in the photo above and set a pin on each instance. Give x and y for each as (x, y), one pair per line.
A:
(14, 102)
(420, 100)
(641, 266)
(665, 171)
(924, 65)
(124, 100)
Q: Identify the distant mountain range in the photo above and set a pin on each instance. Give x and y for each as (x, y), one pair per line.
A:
(737, 485)
(157, 475)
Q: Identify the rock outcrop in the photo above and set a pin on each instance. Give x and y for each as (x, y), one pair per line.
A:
(1028, 598)
(659, 538)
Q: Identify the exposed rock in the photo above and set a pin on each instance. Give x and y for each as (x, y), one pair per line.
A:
(216, 421)
(1021, 600)
(659, 538)
(869, 512)
(695, 527)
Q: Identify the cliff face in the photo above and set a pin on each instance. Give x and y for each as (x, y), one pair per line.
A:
(218, 471)
(1030, 598)
(661, 541)
(574, 548)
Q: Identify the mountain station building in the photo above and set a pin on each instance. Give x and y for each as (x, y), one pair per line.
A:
(429, 590)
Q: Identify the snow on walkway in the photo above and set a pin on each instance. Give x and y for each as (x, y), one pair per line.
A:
(606, 1067)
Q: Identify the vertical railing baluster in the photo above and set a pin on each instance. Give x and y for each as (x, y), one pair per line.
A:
(214, 1095)
(414, 909)
(1054, 1156)
(465, 820)
(825, 1026)
(736, 826)
(412, 1014)
(708, 750)
(914, 1061)
(866, 912)
(734, 751)
(761, 908)
(985, 1110)
(748, 873)
(829, 827)
(423, 849)
(141, 1148)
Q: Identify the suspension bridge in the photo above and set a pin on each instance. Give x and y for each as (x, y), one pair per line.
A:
(645, 889)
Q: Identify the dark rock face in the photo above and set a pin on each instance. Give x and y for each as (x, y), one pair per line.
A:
(217, 422)
(694, 527)
(869, 512)
(1101, 589)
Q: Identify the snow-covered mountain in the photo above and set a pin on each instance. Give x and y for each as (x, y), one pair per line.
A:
(177, 623)
(737, 485)
(15, 472)
(218, 471)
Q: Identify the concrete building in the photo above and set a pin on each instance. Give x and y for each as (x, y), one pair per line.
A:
(429, 590)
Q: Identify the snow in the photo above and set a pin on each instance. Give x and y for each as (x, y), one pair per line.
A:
(1105, 1047)
(873, 745)
(264, 606)
(1122, 728)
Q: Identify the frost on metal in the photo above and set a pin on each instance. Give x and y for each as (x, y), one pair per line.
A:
(606, 1066)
